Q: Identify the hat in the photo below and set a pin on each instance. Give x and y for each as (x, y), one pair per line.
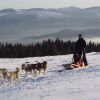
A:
(80, 35)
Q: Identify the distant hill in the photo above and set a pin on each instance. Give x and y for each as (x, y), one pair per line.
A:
(66, 34)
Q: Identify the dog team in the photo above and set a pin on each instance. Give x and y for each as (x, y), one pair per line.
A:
(33, 69)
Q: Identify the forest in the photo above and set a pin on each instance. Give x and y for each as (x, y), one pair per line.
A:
(45, 48)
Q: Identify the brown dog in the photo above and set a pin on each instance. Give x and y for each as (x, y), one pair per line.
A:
(13, 75)
(41, 66)
(34, 67)
(9, 76)
(27, 67)
(3, 73)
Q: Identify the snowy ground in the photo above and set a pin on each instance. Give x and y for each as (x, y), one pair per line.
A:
(83, 84)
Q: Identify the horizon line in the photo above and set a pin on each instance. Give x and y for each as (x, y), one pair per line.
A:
(50, 7)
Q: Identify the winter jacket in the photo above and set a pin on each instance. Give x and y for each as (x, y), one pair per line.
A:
(80, 45)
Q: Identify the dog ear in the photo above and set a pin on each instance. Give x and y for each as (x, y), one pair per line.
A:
(17, 68)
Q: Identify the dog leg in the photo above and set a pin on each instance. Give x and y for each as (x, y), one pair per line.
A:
(9, 81)
(17, 77)
(35, 72)
(39, 71)
(31, 73)
(26, 73)
(44, 71)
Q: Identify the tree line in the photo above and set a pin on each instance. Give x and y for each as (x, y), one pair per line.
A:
(46, 48)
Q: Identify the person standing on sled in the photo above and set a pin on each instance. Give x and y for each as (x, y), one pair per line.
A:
(80, 49)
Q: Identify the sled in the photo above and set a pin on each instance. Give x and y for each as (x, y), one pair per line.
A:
(69, 67)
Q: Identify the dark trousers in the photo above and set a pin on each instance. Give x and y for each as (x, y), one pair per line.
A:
(82, 53)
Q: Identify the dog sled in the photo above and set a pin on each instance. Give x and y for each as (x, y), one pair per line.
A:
(70, 67)
(77, 63)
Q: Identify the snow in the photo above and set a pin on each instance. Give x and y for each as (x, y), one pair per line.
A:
(82, 84)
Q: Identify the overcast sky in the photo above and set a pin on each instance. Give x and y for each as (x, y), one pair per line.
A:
(19, 4)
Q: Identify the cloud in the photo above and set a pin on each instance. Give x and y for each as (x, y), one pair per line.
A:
(47, 3)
